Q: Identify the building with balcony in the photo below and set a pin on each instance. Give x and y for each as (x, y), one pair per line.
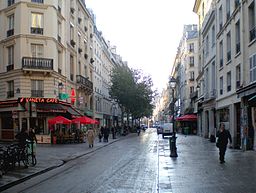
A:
(206, 81)
(185, 69)
(45, 66)
(233, 90)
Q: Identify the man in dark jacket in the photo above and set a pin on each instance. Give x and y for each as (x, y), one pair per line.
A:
(223, 137)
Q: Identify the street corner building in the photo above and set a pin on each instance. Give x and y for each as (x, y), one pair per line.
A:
(49, 66)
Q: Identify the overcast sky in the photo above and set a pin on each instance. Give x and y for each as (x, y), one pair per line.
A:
(146, 32)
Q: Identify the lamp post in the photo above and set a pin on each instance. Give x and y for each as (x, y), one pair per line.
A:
(172, 140)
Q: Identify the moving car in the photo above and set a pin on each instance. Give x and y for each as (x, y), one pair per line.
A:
(167, 129)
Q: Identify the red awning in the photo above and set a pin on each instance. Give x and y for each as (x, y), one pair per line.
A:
(188, 117)
(59, 120)
(84, 120)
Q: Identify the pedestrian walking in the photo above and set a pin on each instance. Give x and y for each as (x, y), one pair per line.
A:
(222, 142)
(90, 137)
(106, 132)
(113, 130)
(100, 133)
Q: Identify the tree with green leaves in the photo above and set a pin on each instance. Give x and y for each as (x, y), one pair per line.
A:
(132, 91)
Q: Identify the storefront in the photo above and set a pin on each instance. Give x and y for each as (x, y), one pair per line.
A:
(31, 113)
(248, 116)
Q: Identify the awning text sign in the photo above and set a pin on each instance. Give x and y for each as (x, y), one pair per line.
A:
(38, 100)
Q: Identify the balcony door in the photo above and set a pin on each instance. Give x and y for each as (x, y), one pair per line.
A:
(37, 50)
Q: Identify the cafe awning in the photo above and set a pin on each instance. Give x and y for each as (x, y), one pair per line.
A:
(188, 117)
(84, 120)
(59, 120)
(48, 107)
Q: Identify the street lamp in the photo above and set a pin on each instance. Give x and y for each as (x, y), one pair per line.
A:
(172, 140)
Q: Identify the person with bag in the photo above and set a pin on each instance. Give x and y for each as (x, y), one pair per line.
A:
(222, 142)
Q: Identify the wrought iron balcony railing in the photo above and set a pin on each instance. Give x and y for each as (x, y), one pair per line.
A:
(10, 32)
(237, 47)
(37, 63)
(37, 30)
(37, 1)
(85, 83)
(9, 67)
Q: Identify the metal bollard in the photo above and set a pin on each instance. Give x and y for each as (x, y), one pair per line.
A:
(173, 148)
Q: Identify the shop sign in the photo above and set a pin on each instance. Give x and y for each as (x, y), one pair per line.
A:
(38, 100)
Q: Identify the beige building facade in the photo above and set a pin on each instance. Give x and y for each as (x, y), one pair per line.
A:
(232, 57)
(46, 57)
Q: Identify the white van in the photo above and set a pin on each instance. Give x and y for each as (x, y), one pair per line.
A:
(167, 129)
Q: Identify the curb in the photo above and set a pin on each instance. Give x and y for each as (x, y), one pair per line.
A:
(64, 161)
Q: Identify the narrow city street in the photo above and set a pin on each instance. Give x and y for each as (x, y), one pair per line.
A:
(129, 165)
(142, 164)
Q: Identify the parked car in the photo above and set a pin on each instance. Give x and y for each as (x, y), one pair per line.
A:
(159, 129)
(167, 129)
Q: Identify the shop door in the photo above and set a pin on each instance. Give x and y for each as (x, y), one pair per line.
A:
(238, 127)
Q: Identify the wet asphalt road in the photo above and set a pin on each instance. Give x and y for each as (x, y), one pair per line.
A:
(127, 166)
(143, 165)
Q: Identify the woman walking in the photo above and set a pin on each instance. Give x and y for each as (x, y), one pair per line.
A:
(90, 137)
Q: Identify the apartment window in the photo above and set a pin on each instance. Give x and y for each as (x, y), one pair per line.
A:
(207, 46)
(10, 2)
(72, 41)
(221, 53)
(227, 9)
(10, 30)
(221, 85)
(237, 36)
(251, 14)
(71, 68)
(206, 88)
(191, 89)
(37, 88)
(10, 50)
(191, 60)
(37, 50)
(59, 31)
(59, 62)
(213, 36)
(220, 18)
(10, 87)
(253, 68)
(191, 47)
(37, 23)
(192, 75)
(213, 78)
(229, 81)
(238, 76)
(228, 46)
